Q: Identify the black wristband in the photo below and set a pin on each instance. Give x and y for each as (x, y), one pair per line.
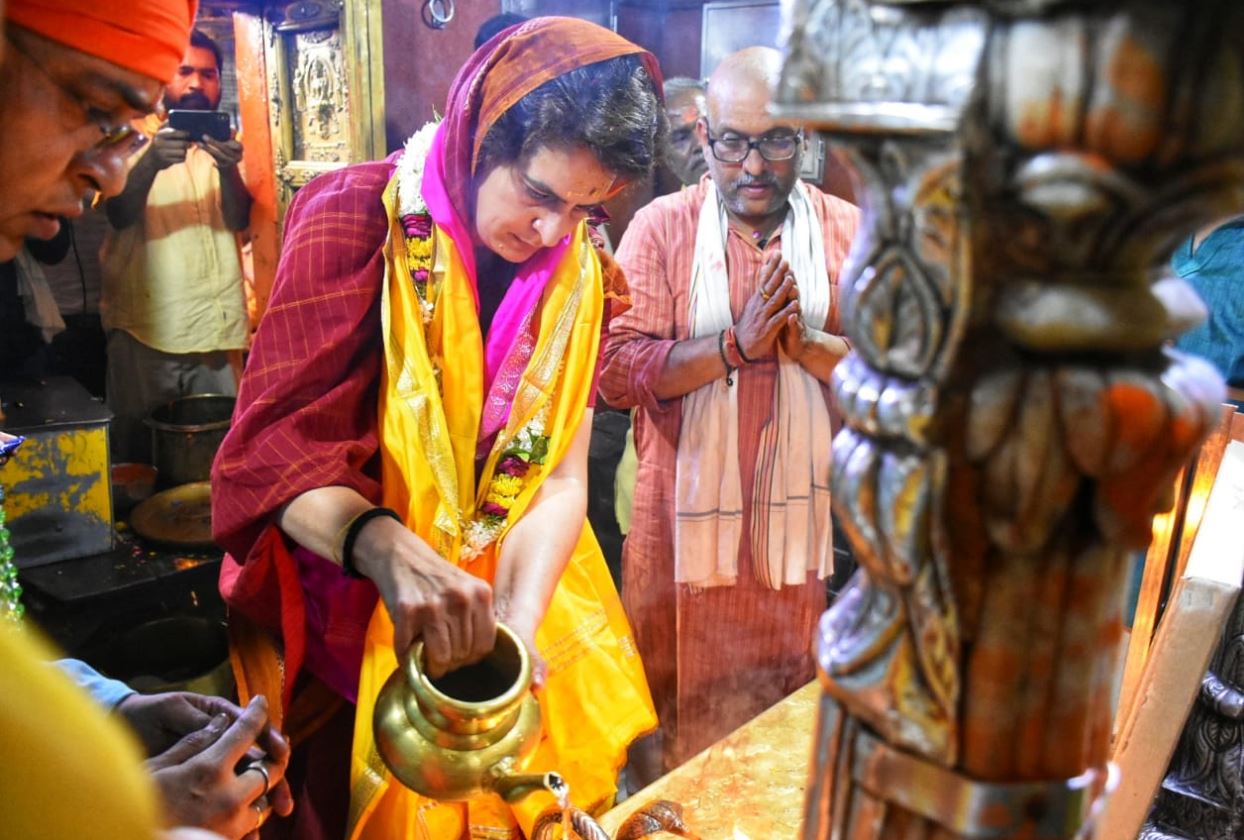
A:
(352, 534)
(721, 348)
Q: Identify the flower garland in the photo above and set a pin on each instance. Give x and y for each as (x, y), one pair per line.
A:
(530, 447)
(415, 218)
(11, 607)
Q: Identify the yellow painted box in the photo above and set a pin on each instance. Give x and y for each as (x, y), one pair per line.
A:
(59, 493)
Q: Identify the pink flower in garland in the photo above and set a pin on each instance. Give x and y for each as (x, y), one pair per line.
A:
(513, 465)
(421, 275)
(418, 225)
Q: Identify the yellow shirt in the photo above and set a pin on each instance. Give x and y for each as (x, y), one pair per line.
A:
(173, 279)
(67, 769)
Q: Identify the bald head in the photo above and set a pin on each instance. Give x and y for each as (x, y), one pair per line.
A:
(745, 77)
(754, 186)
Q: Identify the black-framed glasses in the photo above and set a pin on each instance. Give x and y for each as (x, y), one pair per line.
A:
(733, 148)
(123, 137)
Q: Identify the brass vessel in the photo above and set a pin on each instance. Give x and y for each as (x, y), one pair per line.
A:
(466, 733)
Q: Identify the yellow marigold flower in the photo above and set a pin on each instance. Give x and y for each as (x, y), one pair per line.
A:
(508, 485)
(419, 248)
(505, 501)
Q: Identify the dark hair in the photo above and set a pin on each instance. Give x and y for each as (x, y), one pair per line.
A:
(611, 107)
(199, 39)
(495, 24)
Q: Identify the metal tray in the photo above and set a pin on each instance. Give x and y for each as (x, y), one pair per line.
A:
(180, 516)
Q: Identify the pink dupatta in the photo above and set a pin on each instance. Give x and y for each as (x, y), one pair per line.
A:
(503, 346)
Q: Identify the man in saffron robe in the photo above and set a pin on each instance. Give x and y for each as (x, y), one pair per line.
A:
(73, 75)
(431, 348)
(726, 353)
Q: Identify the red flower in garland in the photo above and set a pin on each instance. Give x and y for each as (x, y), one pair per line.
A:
(513, 465)
(492, 509)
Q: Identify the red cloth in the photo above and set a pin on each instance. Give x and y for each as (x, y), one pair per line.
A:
(146, 36)
(306, 414)
(701, 696)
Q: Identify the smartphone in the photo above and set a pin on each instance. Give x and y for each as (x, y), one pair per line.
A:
(214, 124)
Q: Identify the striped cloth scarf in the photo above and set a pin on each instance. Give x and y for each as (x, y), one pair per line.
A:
(790, 515)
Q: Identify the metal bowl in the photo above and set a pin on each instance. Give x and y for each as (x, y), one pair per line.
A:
(131, 484)
(185, 435)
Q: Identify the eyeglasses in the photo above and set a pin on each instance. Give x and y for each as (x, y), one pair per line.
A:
(772, 147)
(122, 138)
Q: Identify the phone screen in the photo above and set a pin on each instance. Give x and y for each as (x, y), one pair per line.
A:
(213, 124)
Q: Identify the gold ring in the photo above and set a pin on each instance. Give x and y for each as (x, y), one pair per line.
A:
(765, 294)
(263, 771)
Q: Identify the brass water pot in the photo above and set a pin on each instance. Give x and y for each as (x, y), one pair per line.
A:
(466, 733)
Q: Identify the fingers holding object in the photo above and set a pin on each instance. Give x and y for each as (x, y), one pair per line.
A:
(437, 648)
(257, 766)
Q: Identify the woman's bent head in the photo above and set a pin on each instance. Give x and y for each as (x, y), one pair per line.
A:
(561, 150)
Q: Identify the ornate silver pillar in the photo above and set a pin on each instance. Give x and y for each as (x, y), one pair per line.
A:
(1012, 419)
(1202, 796)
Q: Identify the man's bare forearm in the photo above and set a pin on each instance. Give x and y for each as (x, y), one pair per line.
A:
(691, 364)
(821, 352)
(235, 199)
(127, 208)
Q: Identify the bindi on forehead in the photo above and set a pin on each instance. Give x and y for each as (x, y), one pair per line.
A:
(568, 180)
(573, 194)
(685, 114)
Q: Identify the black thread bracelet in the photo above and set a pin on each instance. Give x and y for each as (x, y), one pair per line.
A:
(352, 534)
(721, 348)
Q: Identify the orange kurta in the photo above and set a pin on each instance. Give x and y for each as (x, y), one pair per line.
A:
(717, 657)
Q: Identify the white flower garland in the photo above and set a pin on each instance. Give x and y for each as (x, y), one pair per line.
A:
(482, 530)
(410, 171)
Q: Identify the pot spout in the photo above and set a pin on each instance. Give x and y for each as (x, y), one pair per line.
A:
(512, 786)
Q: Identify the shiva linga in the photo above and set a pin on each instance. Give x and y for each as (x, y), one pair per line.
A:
(466, 733)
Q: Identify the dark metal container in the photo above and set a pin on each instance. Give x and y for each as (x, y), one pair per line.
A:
(185, 435)
(59, 494)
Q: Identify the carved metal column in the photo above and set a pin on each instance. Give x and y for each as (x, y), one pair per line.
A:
(1202, 796)
(1012, 420)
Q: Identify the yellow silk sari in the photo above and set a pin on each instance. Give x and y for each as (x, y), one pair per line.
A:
(595, 700)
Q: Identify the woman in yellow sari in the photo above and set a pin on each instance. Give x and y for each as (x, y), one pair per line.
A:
(408, 459)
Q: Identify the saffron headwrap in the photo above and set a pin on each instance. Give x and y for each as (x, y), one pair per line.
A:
(146, 36)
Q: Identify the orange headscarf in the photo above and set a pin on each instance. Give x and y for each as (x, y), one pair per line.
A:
(146, 36)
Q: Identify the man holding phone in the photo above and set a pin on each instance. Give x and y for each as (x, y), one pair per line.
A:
(173, 303)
